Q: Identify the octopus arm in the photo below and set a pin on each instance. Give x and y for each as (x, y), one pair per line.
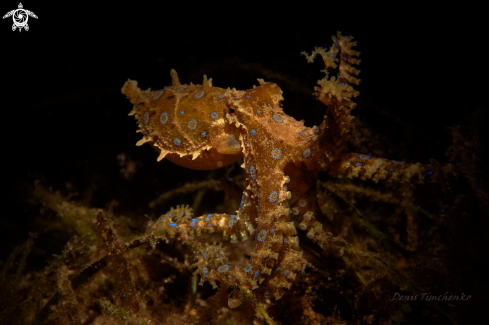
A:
(367, 167)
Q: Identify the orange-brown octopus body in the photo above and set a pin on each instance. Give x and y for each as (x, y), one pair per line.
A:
(205, 127)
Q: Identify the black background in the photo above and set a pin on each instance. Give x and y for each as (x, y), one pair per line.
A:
(64, 119)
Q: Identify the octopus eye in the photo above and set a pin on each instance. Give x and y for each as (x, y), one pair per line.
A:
(231, 110)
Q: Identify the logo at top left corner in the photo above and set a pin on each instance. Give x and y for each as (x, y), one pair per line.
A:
(20, 17)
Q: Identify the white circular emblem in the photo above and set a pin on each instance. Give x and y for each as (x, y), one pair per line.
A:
(20, 17)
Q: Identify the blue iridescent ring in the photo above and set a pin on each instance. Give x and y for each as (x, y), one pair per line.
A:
(165, 116)
(364, 157)
(262, 235)
(192, 124)
(248, 268)
(276, 153)
(273, 196)
(223, 269)
(307, 153)
(253, 172)
(278, 118)
(205, 270)
(204, 134)
(253, 132)
(201, 94)
(176, 141)
(214, 115)
(146, 118)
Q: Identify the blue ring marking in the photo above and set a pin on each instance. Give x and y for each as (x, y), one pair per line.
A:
(166, 117)
(256, 274)
(364, 157)
(430, 173)
(181, 112)
(398, 162)
(253, 132)
(248, 96)
(263, 234)
(223, 269)
(172, 224)
(253, 172)
(276, 152)
(286, 272)
(307, 153)
(248, 268)
(156, 97)
(301, 133)
(278, 269)
(171, 214)
(219, 96)
(176, 141)
(192, 224)
(258, 111)
(273, 196)
(285, 240)
(201, 94)
(208, 216)
(358, 164)
(205, 255)
(214, 115)
(272, 231)
(331, 55)
(231, 223)
(266, 293)
(191, 128)
(278, 118)
(146, 118)
(230, 277)
(205, 270)
(232, 216)
(392, 169)
(204, 134)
